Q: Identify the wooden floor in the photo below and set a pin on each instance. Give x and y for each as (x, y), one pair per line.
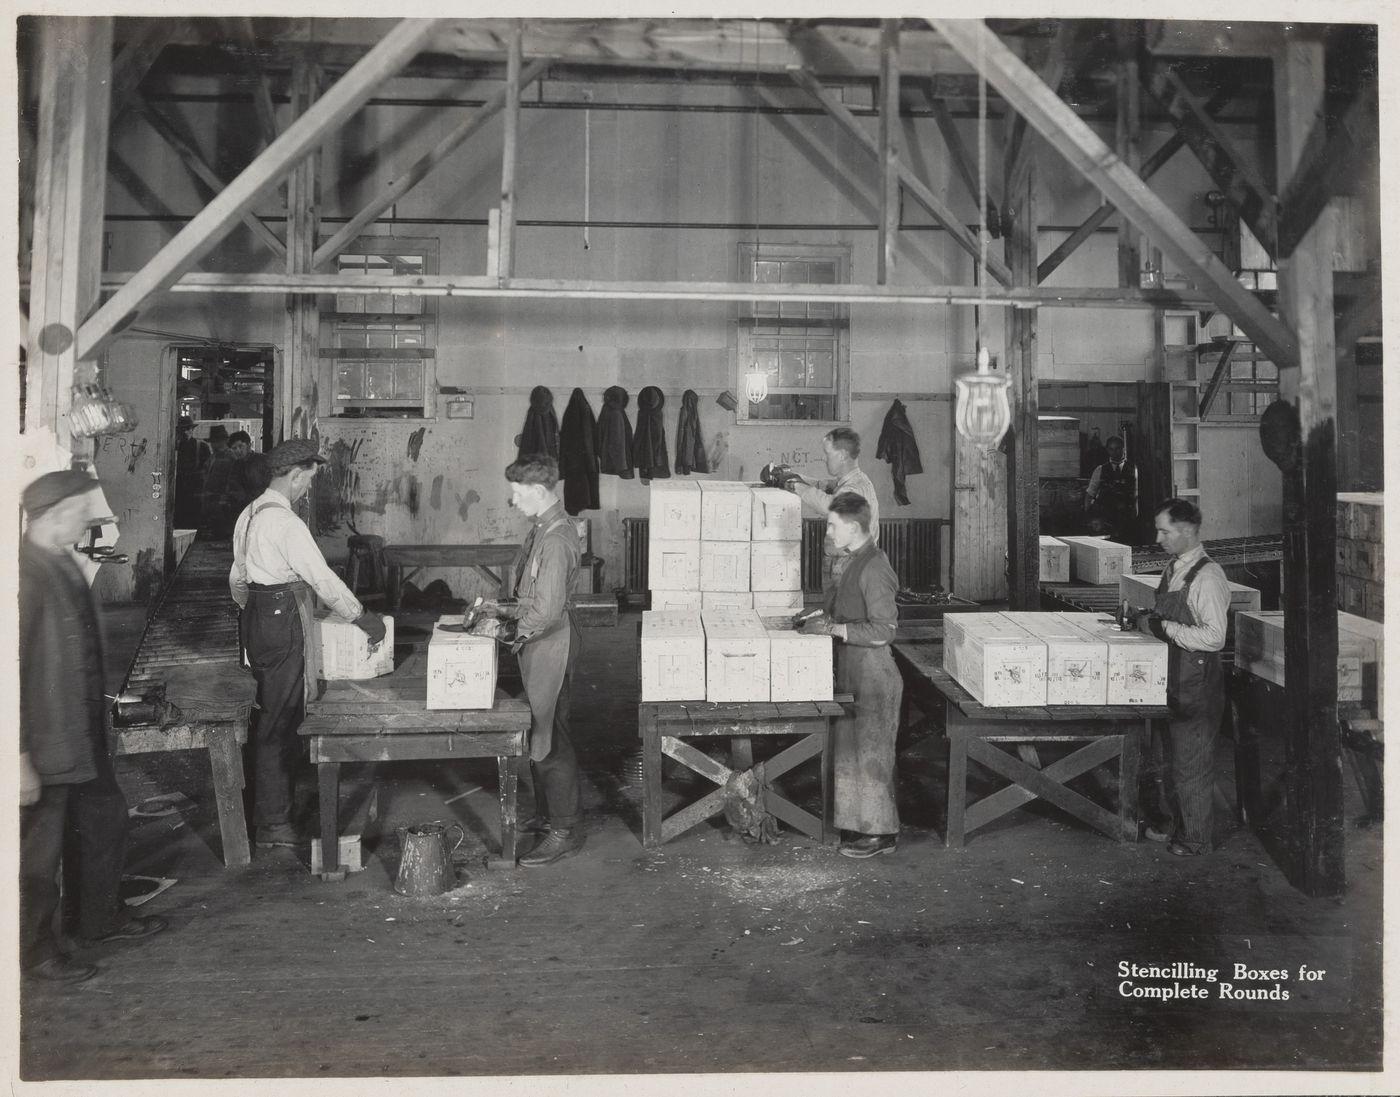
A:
(706, 955)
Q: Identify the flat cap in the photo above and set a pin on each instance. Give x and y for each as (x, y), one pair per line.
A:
(217, 431)
(294, 451)
(54, 487)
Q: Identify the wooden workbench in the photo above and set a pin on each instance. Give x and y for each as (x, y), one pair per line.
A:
(491, 561)
(664, 727)
(386, 720)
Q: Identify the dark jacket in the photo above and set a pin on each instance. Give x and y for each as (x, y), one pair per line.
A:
(62, 722)
(649, 445)
(541, 431)
(897, 446)
(578, 455)
(690, 447)
(615, 434)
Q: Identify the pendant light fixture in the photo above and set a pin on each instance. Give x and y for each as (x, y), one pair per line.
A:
(983, 411)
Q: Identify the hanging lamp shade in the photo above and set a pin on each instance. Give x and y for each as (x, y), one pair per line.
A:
(756, 384)
(983, 411)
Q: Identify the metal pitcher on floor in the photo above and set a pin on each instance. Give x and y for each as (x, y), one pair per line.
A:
(425, 867)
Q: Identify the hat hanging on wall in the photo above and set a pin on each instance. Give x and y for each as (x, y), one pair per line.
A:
(726, 400)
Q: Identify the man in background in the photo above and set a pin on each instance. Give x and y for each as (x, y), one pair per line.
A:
(841, 448)
(1112, 495)
(192, 457)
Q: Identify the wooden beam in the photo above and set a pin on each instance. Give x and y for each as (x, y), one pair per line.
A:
(1128, 142)
(1334, 164)
(1169, 148)
(1067, 52)
(75, 59)
(1221, 367)
(888, 155)
(217, 219)
(1023, 442)
(301, 364)
(199, 167)
(1073, 139)
(935, 205)
(1244, 187)
(451, 285)
(509, 151)
(241, 28)
(137, 56)
(957, 153)
(423, 166)
(1308, 385)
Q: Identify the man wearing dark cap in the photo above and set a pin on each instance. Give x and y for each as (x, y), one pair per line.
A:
(72, 809)
(217, 480)
(277, 574)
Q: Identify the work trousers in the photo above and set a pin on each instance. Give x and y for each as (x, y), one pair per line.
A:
(549, 788)
(83, 826)
(1196, 695)
(273, 634)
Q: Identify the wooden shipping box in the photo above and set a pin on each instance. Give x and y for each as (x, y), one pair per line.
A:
(994, 659)
(674, 511)
(772, 603)
(690, 600)
(1076, 665)
(726, 510)
(673, 565)
(1361, 559)
(726, 599)
(799, 667)
(1099, 561)
(737, 659)
(1259, 649)
(1054, 560)
(1058, 451)
(1137, 664)
(343, 650)
(672, 656)
(461, 668)
(1361, 515)
(1140, 592)
(777, 515)
(775, 565)
(724, 565)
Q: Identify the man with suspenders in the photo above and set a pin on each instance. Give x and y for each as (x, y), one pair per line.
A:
(278, 572)
(1190, 614)
(548, 643)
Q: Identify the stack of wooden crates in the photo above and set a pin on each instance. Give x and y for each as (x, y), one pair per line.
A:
(1361, 554)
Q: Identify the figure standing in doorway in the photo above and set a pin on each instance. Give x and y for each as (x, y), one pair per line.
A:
(1112, 495)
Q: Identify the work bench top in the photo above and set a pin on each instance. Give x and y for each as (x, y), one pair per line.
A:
(719, 712)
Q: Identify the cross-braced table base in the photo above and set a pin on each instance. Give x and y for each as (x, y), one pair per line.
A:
(664, 727)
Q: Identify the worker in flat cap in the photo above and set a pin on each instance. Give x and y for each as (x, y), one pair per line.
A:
(72, 809)
(278, 573)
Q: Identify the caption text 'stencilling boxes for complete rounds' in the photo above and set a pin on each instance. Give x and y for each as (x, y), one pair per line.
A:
(737, 655)
(726, 510)
(461, 668)
(672, 656)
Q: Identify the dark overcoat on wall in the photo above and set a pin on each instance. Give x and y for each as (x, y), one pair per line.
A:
(541, 431)
(898, 447)
(649, 445)
(578, 454)
(615, 434)
(690, 447)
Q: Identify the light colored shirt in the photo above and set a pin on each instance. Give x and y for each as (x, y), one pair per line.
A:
(278, 548)
(1208, 600)
(819, 499)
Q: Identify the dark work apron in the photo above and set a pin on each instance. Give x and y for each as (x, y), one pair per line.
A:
(1184, 671)
(546, 656)
(305, 599)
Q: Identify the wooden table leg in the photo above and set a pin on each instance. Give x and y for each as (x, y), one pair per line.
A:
(1129, 766)
(957, 781)
(226, 768)
(328, 778)
(505, 768)
(651, 775)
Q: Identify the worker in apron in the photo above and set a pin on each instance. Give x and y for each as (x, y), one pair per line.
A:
(548, 643)
(278, 573)
(861, 614)
(1190, 614)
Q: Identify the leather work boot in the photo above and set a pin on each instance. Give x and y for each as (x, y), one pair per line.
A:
(554, 846)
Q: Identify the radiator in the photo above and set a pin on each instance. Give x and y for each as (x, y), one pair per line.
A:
(914, 546)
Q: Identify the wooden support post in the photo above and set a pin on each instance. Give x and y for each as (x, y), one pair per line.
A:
(1128, 142)
(1023, 453)
(1314, 754)
(301, 362)
(217, 219)
(1068, 134)
(888, 155)
(75, 63)
(509, 153)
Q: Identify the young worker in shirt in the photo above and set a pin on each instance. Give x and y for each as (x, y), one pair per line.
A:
(277, 573)
(861, 613)
(1190, 613)
(841, 447)
(549, 643)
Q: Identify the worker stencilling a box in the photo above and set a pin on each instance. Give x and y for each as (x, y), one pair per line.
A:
(277, 574)
(841, 448)
(549, 645)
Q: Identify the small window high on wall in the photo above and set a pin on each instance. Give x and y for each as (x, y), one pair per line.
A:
(380, 347)
(801, 348)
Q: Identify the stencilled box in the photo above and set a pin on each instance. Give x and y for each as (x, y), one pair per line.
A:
(736, 656)
(1076, 665)
(996, 660)
(687, 600)
(461, 668)
(726, 599)
(777, 515)
(674, 510)
(775, 565)
(672, 656)
(726, 510)
(673, 565)
(1054, 560)
(343, 650)
(799, 667)
(1099, 561)
(1137, 664)
(724, 565)
(773, 603)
